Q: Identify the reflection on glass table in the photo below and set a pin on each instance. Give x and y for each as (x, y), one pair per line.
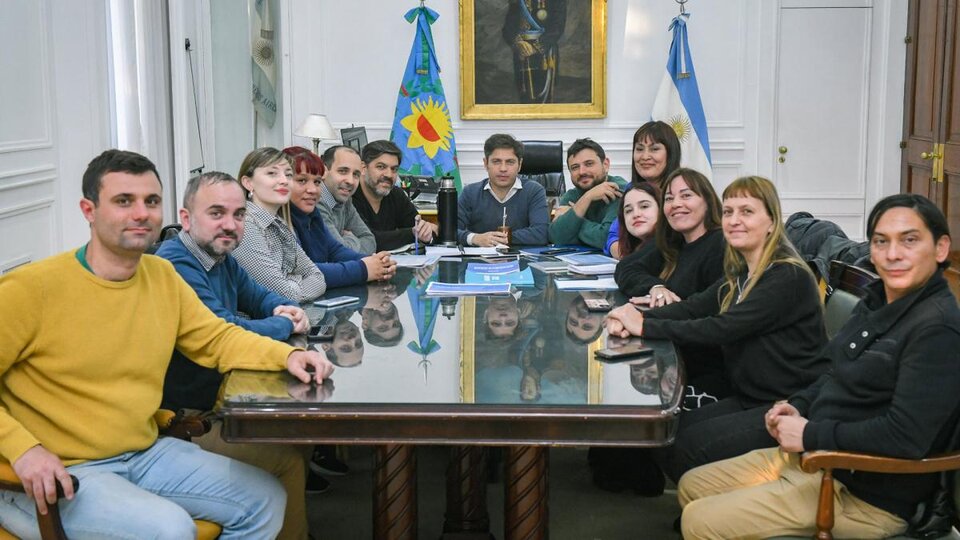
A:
(515, 371)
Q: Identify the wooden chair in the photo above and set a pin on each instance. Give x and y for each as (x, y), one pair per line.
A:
(849, 285)
(827, 461)
(171, 425)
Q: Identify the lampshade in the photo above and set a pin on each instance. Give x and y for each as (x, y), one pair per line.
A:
(316, 126)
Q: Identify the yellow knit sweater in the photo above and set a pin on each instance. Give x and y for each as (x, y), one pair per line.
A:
(82, 359)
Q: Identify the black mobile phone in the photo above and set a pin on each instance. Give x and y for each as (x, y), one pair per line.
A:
(597, 304)
(321, 332)
(623, 353)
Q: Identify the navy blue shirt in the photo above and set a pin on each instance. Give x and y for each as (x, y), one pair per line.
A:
(224, 287)
(341, 266)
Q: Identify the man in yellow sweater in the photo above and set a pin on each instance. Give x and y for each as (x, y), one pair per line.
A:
(84, 345)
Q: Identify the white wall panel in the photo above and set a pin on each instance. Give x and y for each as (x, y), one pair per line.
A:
(25, 92)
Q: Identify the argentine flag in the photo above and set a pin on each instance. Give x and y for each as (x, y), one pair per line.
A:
(678, 102)
(263, 62)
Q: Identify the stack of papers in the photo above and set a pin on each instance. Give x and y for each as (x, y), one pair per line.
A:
(437, 288)
(602, 284)
(549, 267)
(590, 264)
(414, 261)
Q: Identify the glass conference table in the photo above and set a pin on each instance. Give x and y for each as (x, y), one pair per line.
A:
(512, 371)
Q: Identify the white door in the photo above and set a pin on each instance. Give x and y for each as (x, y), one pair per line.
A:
(820, 136)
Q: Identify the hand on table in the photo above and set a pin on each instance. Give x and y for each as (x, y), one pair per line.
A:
(299, 318)
(659, 296)
(39, 470)
(624, 321)
(309, 366)
(490, 239)
(380, 266)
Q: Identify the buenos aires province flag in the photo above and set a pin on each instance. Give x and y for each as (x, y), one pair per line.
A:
(421, 123)
(678, 102)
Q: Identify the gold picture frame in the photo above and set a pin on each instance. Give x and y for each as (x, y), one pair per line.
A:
(577, 86)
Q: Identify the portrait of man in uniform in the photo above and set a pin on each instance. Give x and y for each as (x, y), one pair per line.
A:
(547, 54)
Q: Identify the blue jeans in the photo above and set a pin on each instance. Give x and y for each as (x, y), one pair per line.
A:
(156, 493)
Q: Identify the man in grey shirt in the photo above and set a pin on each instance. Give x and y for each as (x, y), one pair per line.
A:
(340, 181)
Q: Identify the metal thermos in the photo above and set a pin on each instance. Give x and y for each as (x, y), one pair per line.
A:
(447, 211)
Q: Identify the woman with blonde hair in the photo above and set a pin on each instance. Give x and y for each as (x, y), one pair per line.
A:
(764, 314)
(269, 251)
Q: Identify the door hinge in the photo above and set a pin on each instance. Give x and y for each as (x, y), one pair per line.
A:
(908, 40)
(903, 144)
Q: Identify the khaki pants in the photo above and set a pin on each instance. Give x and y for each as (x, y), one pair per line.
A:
(286, 462)
(764, 493)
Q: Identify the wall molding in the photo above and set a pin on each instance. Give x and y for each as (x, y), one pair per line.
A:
(26, 208)
(14, 263)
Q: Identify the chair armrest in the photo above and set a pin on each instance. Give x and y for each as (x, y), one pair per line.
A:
(49, 524)
(828, 459)
(180, 425)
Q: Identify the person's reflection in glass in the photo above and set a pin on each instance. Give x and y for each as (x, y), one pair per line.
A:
(382, 328)
(380, 318)
(501, 318)
(311, 392)
(583, 326)
(346, 349)
(645, 376)
(530, 384)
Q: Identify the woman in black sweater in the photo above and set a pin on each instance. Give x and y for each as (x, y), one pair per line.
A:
(766, 317)
(686, 258)
(688, 255)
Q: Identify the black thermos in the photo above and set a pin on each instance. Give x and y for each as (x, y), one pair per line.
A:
(447, 211)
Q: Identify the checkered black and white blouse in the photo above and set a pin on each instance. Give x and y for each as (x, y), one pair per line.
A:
(271, 255)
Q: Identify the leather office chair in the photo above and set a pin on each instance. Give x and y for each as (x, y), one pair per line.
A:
(848, 285)
(543, 163)
(171, 425)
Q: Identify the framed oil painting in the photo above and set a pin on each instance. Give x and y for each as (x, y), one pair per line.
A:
(526, 59)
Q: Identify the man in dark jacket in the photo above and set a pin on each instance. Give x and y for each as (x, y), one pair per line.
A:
(892, 391)
(383, 205)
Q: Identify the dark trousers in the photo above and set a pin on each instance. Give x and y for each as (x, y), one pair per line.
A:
(721, 430)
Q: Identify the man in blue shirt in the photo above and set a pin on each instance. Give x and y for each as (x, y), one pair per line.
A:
(485, 205)
(212, 219)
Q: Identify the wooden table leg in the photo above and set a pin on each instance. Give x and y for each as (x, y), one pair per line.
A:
(395, 492)
(466, 516)
(525, 515)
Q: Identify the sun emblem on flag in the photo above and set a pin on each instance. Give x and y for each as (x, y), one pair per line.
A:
(263, 52)
(429, 126)
(681, 126)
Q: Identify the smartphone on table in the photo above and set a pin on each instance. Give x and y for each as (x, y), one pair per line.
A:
(597, 304)
(623, 353)
(336, 301)
(321, 332)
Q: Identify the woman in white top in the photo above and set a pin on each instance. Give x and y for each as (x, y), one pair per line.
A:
(269, 251)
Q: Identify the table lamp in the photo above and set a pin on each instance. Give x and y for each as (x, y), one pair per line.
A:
(316, 127)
